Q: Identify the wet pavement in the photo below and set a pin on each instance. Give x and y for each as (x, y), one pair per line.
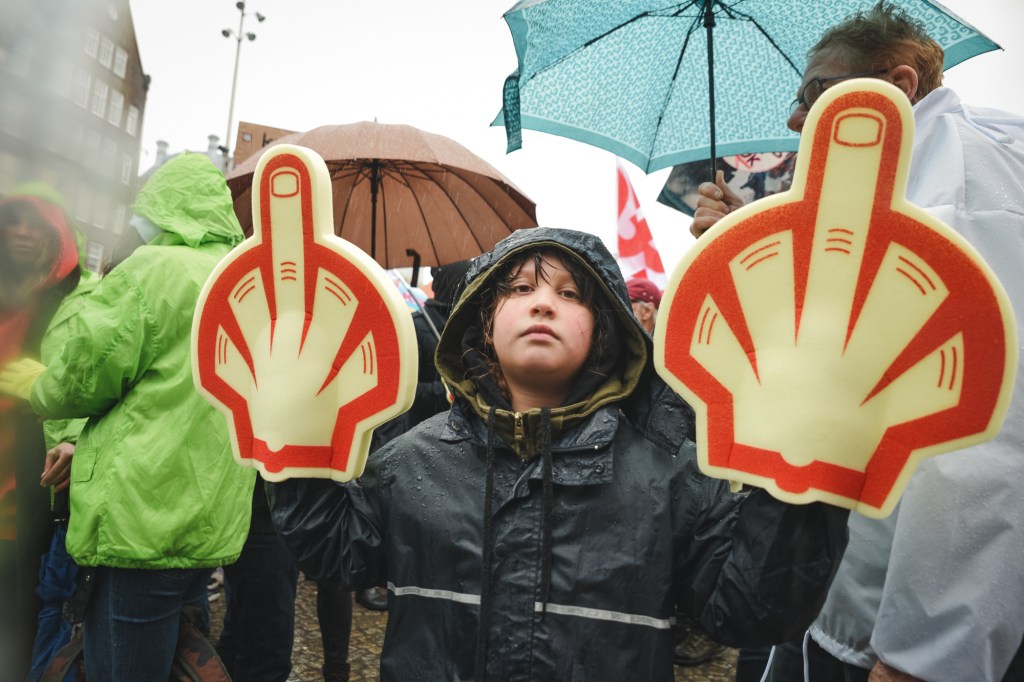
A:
(368, 633)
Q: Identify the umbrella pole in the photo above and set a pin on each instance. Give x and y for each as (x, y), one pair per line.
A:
(374, 185)
(415, 255)
(709, 26)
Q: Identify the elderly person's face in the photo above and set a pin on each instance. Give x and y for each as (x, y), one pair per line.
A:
(824, 64)
(825, 69)
(646, 313)
(24, 236)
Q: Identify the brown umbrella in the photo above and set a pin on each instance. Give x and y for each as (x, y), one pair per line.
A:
(401, 193)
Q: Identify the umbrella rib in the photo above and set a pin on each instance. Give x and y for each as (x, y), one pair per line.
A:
(732, 14)
(730, 11)
(384, 223)
(675, 74)
(423, 216)
(455, 171)
(343, 171)
(590, 42)
(399, 175)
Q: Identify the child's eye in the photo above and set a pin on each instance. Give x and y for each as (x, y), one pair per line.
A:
(521, 288)
(570, 294)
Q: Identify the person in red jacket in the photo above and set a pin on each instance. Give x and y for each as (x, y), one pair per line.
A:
(38, 267)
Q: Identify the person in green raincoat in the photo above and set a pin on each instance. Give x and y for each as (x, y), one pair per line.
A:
(157, 500)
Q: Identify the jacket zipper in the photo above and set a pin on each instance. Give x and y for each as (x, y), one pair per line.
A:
(520, 432)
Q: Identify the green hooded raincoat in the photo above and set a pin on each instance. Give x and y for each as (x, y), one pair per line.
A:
(153, 481)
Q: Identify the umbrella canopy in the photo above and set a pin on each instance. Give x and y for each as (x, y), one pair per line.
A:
(632, 76)
(400, 191)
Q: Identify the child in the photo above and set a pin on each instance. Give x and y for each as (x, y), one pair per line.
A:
(548, 525)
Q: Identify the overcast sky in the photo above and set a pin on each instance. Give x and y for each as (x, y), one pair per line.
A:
(438, 65)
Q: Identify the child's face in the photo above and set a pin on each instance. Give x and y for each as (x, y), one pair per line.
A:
(542, 330)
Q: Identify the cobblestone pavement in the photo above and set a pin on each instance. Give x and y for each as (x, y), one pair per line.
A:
(368, 633)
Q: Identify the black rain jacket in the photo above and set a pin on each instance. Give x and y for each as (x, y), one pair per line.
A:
(598, 523)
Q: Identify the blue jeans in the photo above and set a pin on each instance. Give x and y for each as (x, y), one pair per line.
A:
(131, 623)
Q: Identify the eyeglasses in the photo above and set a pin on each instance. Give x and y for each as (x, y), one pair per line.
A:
(812, 91)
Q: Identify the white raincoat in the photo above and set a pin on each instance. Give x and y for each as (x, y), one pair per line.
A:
(936, 590)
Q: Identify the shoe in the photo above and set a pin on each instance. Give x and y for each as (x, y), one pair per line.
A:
(216, 580)
(696, 649)
(373, 599)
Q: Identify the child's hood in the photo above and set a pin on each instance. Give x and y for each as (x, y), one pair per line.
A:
(463, 332)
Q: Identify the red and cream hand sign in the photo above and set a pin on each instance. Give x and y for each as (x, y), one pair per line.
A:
(831, 337)
(299, 337)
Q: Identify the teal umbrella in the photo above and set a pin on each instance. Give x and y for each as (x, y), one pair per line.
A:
(640, 77)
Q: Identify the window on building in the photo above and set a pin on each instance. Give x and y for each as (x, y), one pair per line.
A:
(94, 256)
(127, 169)
(91, 153)
(101, 211)
(76, 133)
(99, 98)
(116, 107)
(120, 219)
(120, 62)
(56, 135)
(92, 42)
(83, 82)
(106, 57)
(131, 123)
(108, 161)
(83, 202)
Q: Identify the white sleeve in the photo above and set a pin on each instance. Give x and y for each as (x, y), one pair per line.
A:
(952, 606)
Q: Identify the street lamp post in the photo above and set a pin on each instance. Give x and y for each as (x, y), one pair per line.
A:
(228, 33)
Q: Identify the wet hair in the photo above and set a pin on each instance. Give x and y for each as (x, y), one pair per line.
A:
(591, 296)
(884, 37)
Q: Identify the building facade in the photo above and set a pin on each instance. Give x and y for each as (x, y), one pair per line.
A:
(74, 96)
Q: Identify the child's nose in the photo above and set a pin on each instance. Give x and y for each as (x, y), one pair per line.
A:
(542, 304)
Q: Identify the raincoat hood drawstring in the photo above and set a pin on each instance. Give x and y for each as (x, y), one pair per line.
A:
(480, 664)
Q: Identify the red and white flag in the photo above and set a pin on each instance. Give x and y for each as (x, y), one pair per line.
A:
(638, 256)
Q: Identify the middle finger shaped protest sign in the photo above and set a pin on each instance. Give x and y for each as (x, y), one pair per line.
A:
(300, 338)
(832, 336)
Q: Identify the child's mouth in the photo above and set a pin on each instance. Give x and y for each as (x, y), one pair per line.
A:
(539, 329)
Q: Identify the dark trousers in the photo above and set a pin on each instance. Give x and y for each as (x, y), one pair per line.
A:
(16, 616)
(334, 613)
(259, 622)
